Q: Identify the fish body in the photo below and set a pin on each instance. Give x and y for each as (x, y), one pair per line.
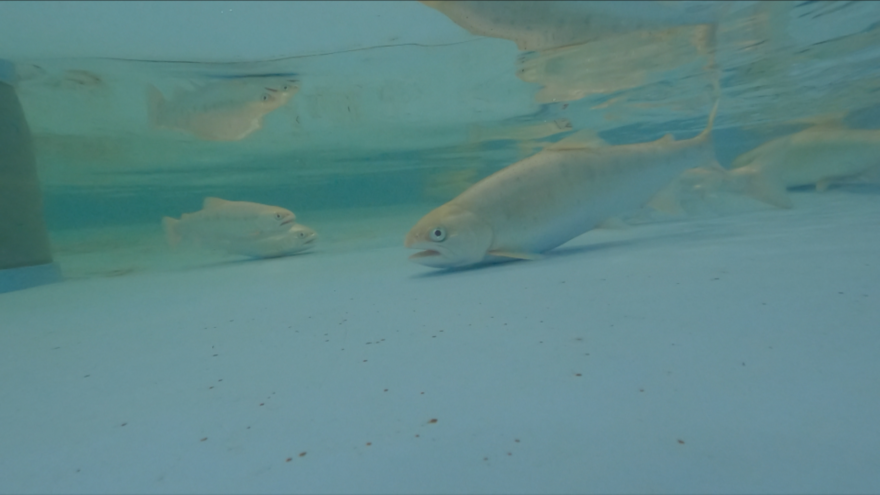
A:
(551, 24)
(296, 239)
(545, 200)
(224, 220)
(227, 110)
(816, 156)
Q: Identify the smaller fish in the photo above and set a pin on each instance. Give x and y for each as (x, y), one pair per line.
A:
(222, 220)
(819, 156)
(227, 110)
(297, 239)
(82, 78)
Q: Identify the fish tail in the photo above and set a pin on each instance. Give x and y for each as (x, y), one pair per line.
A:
(155, 104)
(171, 234)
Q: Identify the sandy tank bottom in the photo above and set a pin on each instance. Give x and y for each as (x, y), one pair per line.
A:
(724, 354)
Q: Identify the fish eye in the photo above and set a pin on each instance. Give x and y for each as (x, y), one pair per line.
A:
(438, 234)
(266, 97)
(302, 234)
(279, 216)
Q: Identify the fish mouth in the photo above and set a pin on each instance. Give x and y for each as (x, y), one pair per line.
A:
(424, 254)
(288, 222)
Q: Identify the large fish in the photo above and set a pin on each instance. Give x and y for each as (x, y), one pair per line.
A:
(222, 220)
(545, 200)
(297, 239)
(227, 110)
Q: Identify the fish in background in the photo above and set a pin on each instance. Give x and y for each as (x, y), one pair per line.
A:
(226, 110)
(825, 154)
(220, 220)
(297, 239)
(545, 200)
(819, 156)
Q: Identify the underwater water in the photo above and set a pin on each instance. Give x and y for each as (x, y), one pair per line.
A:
(722, 340)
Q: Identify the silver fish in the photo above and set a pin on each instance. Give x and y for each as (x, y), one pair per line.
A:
(297, 239)
(545, 200)
(224, 220)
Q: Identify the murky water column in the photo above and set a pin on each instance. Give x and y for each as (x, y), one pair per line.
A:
(25, 255)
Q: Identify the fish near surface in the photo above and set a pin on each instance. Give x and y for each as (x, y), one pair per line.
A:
(220, 220)
(816, 156)
(539, 25)
(297, 239)
(227, 110)
(545, 200)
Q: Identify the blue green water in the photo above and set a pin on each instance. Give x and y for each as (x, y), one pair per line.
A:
(369, 126)
(731, 348)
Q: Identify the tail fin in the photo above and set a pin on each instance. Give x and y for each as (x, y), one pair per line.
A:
(171, 235)
(155, 104)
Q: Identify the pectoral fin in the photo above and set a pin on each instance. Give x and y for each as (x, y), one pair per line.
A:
(668, 138)
(519, 256)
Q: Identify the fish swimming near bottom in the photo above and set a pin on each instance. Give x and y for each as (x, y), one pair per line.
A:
(224, 220)
(545, 200)
(819, 155)
(297, 239)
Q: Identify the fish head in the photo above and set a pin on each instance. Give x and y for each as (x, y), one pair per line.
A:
(297, 239)
(270, 99)
(449, 237)
(277, 94)
(276, 218)
(288, 87)
(302, 236)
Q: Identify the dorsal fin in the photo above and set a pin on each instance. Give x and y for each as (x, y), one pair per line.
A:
(668, 138)
(213, 203)
(586, 138)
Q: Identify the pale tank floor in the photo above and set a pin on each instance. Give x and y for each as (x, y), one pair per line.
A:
(729, 354)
